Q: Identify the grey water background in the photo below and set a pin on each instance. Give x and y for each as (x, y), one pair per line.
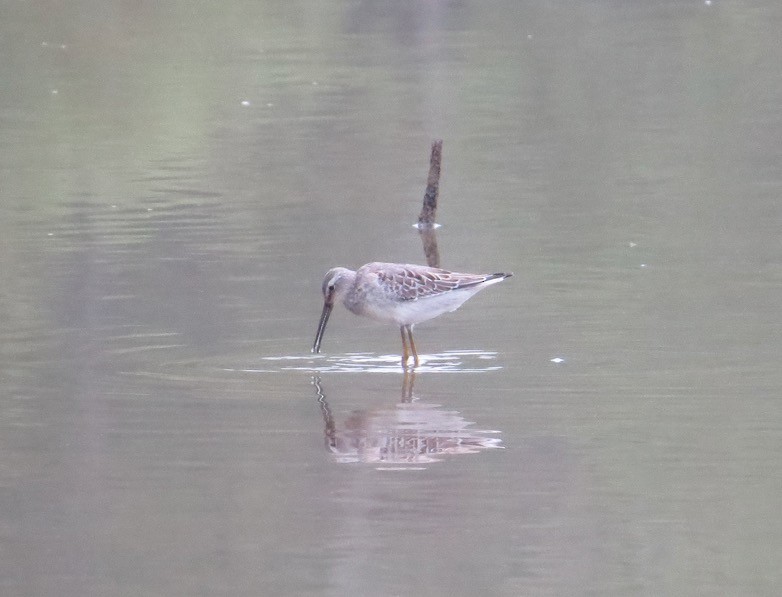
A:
(176, 179)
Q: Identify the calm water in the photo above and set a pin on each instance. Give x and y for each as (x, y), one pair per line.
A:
(178, 178)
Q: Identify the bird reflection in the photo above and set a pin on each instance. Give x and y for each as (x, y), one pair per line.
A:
(409, 432)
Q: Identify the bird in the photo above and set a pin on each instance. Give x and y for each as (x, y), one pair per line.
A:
(400, 293)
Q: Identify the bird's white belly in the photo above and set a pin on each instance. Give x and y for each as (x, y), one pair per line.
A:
(415, 311)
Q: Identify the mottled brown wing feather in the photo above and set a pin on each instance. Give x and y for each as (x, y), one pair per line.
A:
(413, 282)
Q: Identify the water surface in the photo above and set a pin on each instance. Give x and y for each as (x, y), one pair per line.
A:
(178, 178)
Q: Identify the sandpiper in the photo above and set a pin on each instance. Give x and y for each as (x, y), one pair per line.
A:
(400, 293)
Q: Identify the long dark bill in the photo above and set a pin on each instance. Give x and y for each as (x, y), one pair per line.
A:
(324, 319)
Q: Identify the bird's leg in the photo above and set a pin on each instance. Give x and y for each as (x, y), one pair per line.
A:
(412, 345)
(405, 353)
(407, 385)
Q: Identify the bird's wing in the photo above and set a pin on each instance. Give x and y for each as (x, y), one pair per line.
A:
(411, 282)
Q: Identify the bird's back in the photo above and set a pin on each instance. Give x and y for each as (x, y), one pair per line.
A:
(409, 294)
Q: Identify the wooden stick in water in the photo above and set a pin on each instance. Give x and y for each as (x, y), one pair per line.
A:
(426, 221)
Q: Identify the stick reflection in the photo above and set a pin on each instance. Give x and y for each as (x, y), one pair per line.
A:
(409, 432)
